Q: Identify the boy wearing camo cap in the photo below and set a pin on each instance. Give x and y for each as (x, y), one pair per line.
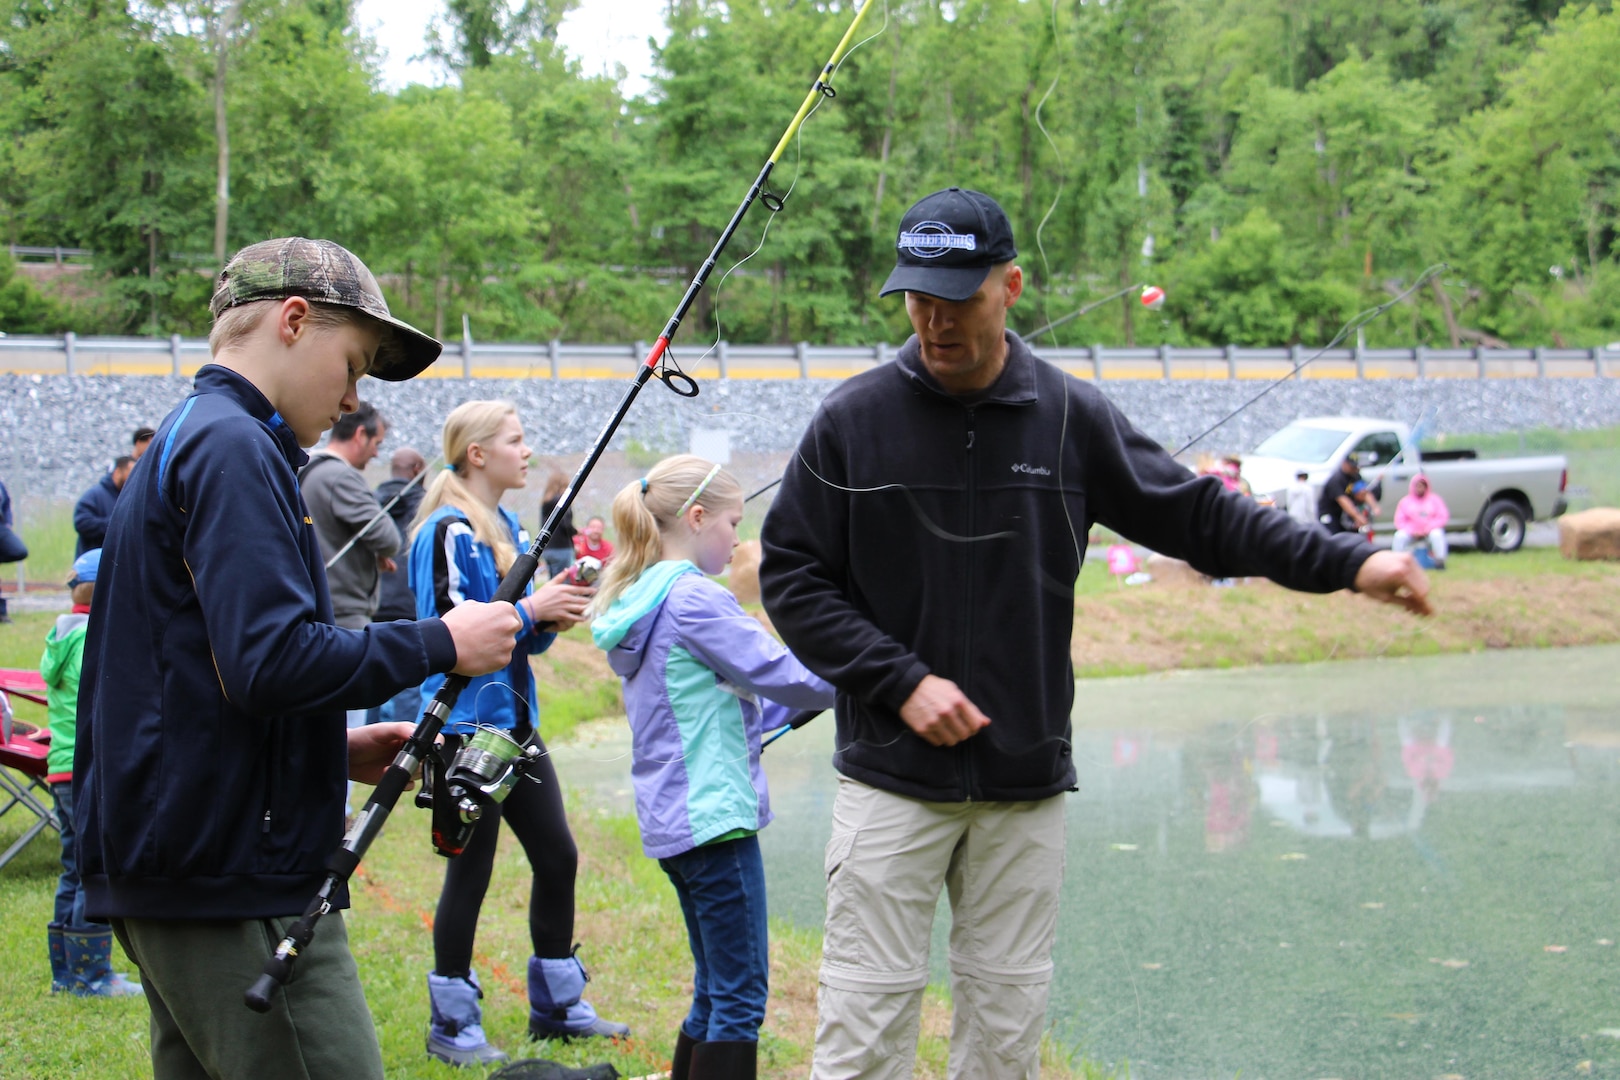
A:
(212, 748)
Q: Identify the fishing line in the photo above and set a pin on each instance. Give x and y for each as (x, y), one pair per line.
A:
(1040, 246)
(916, 507)
(630, 752)
(1048, 582)
(775, 203)
(1356, 323)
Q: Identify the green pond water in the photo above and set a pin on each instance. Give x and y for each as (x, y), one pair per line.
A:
(1391, 869)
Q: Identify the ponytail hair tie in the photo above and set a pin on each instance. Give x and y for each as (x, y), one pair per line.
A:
(644, 485)
(449, 467)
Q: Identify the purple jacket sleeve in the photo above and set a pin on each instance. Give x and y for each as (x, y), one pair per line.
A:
(713, 627)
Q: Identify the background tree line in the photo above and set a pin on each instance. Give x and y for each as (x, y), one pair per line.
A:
(1276, 165)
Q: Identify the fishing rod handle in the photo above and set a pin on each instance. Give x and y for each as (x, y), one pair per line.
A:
(278, 969)
(342, 863)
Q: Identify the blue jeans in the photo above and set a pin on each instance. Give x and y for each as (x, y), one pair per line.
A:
(405, 705)
(12, 549)
(69, 911)
(721, 887)
(558, 559)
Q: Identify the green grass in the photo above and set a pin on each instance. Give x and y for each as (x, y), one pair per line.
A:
(627, 916)
(573, 688)
(47, 529)
(1524, 563)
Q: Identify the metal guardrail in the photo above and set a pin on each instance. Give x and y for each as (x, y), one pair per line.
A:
(56, 254)
(73, 355)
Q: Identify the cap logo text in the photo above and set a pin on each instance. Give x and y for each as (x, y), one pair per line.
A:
(932, 239)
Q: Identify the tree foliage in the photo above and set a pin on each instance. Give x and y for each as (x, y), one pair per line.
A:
(1276, 165)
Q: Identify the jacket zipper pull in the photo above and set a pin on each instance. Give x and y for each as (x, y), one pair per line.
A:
(266, 821)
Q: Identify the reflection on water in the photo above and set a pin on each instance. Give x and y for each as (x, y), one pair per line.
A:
(1382, 869)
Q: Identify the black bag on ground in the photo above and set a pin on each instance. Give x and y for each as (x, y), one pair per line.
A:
(541, 1069)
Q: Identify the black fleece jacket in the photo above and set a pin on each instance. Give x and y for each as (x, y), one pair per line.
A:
(917, 532)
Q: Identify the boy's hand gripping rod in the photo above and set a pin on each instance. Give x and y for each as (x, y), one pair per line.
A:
(420, 744)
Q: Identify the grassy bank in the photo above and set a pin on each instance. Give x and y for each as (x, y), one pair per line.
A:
(1530, 599)
(627, 915)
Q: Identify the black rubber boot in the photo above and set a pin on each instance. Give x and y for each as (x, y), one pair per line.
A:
(680, 1067)
(725, 1061)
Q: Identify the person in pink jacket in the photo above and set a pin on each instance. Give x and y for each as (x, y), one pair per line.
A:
(1420, 518)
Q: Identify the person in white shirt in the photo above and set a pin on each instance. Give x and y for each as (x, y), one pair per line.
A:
(1302, 500)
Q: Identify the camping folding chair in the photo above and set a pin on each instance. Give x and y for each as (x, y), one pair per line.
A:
(22, 780)
(25, 683)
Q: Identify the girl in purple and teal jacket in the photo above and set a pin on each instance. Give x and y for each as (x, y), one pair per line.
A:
(702, 681)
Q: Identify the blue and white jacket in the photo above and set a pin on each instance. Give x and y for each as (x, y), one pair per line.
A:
(449, 566)
(692, 662)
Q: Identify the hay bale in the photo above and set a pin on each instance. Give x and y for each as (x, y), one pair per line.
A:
(1590, 534)
(1173, 573)
(744, 577)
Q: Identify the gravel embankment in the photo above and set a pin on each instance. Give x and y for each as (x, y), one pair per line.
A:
(61, 432)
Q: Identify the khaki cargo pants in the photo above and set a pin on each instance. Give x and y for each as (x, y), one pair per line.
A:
(1002, 864)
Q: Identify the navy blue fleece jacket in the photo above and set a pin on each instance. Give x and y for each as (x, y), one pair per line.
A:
(212, 752)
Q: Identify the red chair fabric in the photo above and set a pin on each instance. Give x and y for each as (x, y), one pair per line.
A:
(25, 683)
(22, 783)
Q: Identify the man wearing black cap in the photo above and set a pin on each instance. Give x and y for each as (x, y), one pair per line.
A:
(922, 556)
(212, 750)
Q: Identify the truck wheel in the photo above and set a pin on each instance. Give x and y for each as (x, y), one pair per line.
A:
(1501, 526)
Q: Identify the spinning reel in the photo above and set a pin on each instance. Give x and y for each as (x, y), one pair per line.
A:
(468, 776)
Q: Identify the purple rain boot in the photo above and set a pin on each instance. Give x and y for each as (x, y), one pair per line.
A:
(456, 1032)
(557, 1009)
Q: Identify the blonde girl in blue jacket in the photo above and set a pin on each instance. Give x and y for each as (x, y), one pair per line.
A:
(462, 544)
(702, 681)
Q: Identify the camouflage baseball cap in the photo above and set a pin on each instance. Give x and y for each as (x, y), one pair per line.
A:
(324, 273)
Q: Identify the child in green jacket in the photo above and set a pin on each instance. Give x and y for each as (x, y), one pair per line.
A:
(81, 950)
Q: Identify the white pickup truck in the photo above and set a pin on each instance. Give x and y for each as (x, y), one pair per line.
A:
(1492, 498)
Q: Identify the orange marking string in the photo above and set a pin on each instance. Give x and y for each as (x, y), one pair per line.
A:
(497, 970)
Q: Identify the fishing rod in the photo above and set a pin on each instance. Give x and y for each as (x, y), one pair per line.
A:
(763, 490)
(489, 760)
(795, 722)
(1152, 297)
(389, 505)
(1356, 323)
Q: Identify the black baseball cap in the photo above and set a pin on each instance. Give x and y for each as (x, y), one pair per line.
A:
(947, 244)
(324, 273)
